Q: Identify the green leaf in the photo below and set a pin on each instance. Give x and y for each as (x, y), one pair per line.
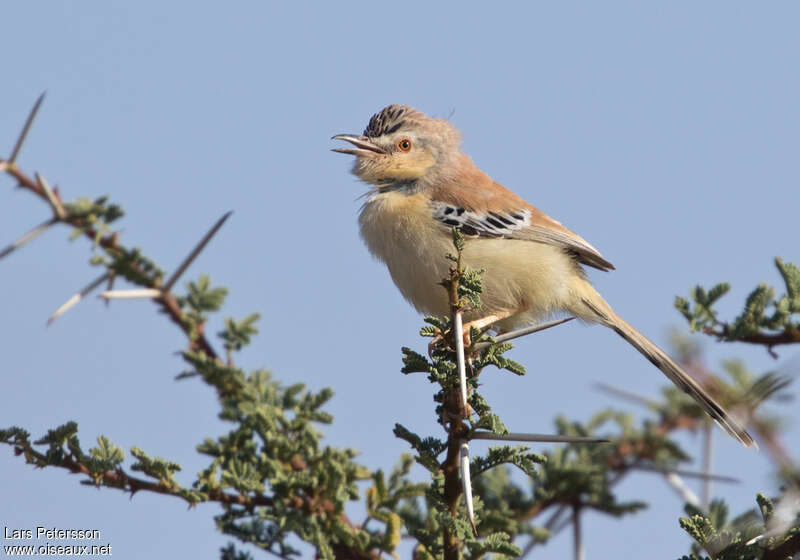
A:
(237, 334)
(414, 362)
(110, 455)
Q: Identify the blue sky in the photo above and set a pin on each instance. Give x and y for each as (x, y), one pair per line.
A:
(666, 135)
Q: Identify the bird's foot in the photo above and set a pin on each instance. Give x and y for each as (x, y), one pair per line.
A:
(477, 324)
(441, 338)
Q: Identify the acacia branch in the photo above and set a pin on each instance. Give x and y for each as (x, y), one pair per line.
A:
(111, 245)
(456, 413)
(722, 333)
(121, 480)
(308, 502)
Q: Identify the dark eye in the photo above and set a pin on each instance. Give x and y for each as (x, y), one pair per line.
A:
(404, 145)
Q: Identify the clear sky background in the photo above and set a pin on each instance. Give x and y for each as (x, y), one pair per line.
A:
(666, 135)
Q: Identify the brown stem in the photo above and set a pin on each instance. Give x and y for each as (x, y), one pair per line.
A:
(455, 413)
(452, 483)
(119, 479)
(110, 243)
(708, 460)
(788, 336)
(577, 534)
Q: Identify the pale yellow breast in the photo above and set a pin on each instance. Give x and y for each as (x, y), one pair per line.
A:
(399, 230)
(528, 278)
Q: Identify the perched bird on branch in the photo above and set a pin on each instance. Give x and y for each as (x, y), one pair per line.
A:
(423, 186)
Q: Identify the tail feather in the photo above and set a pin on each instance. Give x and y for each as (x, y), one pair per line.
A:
(667, 365)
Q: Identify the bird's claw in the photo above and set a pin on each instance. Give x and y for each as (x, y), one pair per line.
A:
(442, 337)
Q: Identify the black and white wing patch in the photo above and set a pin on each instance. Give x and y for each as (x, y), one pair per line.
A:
(490, 224)
(518, 224)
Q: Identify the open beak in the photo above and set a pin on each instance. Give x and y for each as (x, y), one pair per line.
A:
(363, 146)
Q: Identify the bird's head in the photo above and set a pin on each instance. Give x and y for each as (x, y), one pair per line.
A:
(402, 145)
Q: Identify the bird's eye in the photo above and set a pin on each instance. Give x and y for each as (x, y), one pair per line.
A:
(404, 145)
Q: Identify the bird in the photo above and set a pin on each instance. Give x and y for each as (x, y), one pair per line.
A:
(423, 186)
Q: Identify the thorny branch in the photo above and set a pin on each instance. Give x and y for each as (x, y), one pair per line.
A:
(111, 245)
(198, 343)
(722, 333)
(456, 413)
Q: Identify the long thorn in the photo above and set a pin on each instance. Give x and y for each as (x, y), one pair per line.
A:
(522, 332)
(466, 483)
(32, 234)
(144, 293)
(26, 129)
(458, 329)
(687, 474)
(627, 395)
(76, 298)
(55, 204)
(540, 438)
(196, 251)
(685, 493)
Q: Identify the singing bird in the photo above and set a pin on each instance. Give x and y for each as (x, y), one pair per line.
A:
(423, 186)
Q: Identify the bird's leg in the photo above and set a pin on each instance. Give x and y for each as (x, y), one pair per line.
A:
(478, 324)
(484, 322)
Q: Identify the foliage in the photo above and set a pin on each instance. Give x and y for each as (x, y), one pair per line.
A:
(746, 537)
(767, 319)
(277, 484)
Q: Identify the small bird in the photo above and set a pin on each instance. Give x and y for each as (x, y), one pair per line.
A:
(423, 186)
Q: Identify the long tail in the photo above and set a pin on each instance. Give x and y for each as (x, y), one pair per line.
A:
(606, 316)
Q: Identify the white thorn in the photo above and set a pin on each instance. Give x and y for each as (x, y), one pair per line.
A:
(458, 332)
(76, 298)
(466, 483)
(686, 494)
(147, 293)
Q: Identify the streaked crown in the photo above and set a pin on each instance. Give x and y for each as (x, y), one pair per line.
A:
(391, 119)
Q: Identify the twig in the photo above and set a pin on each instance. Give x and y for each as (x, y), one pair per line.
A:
(577, 536)
(708, 449)
(463, 464)
(121, 480)
(195, 252)
(29, 236)
(549, 524)
(25, 129)
(110, 243)
(788, 336)
(555, 519)
(110, 287)
(455, 412)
